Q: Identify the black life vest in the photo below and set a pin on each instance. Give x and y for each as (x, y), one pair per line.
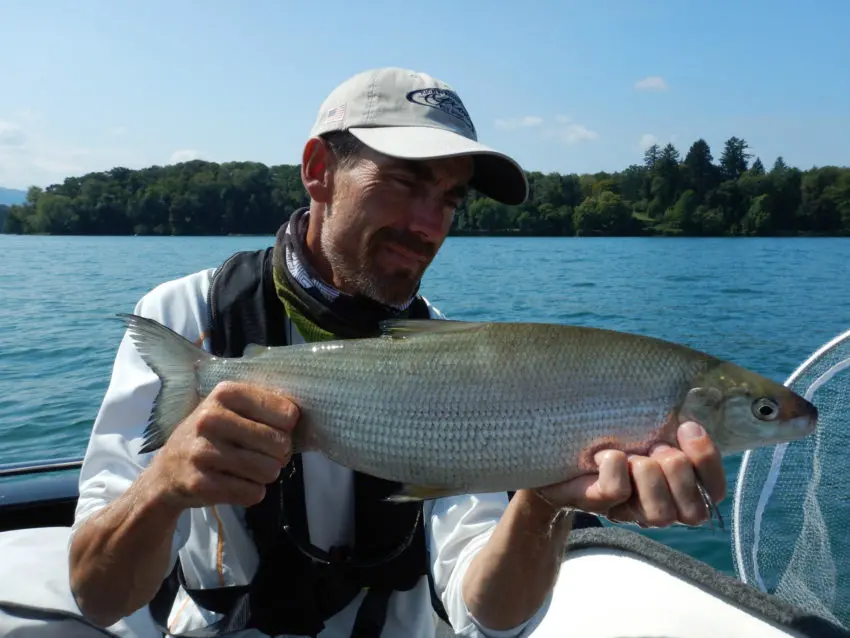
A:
(298, 586)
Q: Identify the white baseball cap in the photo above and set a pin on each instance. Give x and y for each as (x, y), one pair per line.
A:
(410, 115)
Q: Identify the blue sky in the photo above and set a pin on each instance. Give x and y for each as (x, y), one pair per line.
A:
(564, 86)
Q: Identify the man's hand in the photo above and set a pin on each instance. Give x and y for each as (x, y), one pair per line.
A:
(509, 578)
(226, 452)
(662, 489)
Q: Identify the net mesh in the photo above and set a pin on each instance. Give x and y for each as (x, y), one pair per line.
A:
(791, 509)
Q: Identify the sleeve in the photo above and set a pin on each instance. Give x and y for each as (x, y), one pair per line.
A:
(112, 461)
(456, 530)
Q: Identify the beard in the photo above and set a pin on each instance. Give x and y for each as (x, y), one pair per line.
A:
(360, 271)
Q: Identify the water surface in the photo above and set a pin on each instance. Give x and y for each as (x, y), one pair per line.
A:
(763, 303)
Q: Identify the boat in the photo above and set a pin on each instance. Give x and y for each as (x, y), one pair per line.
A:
(629, 586)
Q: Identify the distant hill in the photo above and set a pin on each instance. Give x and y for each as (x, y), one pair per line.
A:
(11, 196)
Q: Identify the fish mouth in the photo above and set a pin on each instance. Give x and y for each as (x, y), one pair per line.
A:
(800, 415)
(805, 424)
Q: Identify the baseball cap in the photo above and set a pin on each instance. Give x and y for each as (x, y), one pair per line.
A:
(406, 114)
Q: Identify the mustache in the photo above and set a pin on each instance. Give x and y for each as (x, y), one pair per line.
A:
(406, 239)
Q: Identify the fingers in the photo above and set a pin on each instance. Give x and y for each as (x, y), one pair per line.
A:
(257, 404)
(205, 488)
(233, 445)
(682, 492)
(665, 484)
(652, 491)
(653, 502)
(613, 485)
(705, 458)
(219, 425)
(241, 463)
(595, 492)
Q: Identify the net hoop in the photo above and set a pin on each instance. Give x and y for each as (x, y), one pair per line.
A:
(773, 472)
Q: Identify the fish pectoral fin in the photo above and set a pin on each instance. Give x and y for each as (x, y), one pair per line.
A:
(411, 493)
(254, 350)
(706, 396)
(700, 404)
(405, 328)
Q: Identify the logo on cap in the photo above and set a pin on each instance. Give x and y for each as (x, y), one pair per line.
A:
(446, 101)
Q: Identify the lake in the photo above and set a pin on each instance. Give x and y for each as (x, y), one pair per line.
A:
(764, 303)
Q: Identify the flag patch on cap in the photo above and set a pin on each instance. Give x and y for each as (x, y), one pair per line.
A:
(335, 114)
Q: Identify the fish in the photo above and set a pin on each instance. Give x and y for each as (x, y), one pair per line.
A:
(448, 407)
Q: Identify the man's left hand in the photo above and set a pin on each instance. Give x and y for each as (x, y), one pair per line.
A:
(653, 491)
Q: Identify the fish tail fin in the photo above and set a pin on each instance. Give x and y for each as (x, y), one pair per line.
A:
(175, 360)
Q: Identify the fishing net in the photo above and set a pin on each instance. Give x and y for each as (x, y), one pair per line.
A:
(791, 509)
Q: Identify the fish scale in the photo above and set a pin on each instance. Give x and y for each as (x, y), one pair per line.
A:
(462, 407)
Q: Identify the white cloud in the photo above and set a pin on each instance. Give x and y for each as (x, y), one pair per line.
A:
(646, 140)
(184, 155)
(11, 135)
(512, 123)
(562, 128)
(30, 157)
(572, 133)
(651, 83)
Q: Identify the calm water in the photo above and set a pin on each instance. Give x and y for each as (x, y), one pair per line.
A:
(764, 303)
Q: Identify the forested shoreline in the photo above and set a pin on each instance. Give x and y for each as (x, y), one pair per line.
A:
(666, 194)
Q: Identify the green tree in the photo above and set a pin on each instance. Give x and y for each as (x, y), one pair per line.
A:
(603, 214)
(757, 168)
(758, 220)
(699, 171)
(682, 217)
(733, 161)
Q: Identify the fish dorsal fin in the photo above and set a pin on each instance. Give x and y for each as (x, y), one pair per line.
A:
(254, 350)
(407, 328)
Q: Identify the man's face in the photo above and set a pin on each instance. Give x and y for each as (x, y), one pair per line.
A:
(387, 219)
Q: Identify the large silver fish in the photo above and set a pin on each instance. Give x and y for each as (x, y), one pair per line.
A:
(448, 407)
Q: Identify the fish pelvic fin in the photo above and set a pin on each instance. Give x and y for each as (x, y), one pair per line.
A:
(413, 493)
(175, 360)
(254, 350)
(406, 328)
(303, 437)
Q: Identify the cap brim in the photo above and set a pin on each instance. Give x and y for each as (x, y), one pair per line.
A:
(495, 175)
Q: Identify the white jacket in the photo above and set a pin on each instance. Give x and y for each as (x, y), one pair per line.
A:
(213, 543)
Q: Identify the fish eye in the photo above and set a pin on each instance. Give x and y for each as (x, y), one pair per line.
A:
(765, 409)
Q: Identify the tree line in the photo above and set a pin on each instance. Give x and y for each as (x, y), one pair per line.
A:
(664, 195)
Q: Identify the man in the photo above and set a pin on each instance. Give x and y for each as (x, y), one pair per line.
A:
(390, 156)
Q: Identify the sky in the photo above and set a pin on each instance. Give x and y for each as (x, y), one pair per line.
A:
(562, 85)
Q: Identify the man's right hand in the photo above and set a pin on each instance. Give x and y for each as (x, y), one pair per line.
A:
(226, 452)
(232, 445)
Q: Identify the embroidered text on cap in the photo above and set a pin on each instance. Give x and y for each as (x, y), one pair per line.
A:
(446, 101)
